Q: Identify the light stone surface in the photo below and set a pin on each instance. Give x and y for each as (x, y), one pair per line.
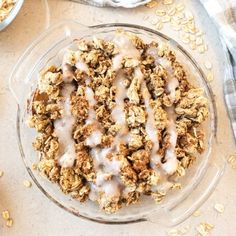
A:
(32, 212)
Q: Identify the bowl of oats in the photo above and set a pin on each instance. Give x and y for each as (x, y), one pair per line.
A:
(116, 123)
(8, 11)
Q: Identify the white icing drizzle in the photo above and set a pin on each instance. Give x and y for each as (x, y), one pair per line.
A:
(171, 163)
(93, 194)
(111, 188)
(105, 167)
(126, 49)
(173, 82)
(153, 52)
(63, 129)
(94, 138)
(101, 162)
(150, 127)
(172, 85)
(67, 59)
(79, 64)
(150, 123)
(89, 94)
(118, 113)
(68, 73)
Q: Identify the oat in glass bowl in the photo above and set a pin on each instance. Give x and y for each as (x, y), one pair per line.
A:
(124, 123)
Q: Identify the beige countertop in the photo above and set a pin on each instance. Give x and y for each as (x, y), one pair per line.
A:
(32, 212)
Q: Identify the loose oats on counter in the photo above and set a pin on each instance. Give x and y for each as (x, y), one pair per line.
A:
(5, 215)
(219, 207)
(5, 8)
(9, 222)
(117, 120)
(27, 183)
(196, 213)
(232, 161)
(203, 229)
(180, 20)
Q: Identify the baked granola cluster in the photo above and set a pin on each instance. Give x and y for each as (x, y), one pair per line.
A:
(5, 8)
(117, 120)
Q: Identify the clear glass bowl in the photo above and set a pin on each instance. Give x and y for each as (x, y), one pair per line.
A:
(12, 15)
(200, 180)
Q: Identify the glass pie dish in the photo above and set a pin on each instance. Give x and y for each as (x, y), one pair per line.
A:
(200, 179)
(13, 13)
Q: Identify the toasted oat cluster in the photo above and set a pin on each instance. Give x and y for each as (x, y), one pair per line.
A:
(5, 8)
(117, 120)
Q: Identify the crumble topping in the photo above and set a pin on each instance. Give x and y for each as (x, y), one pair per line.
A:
(117, 120)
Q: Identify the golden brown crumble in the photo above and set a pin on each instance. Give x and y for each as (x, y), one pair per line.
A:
(137, 172)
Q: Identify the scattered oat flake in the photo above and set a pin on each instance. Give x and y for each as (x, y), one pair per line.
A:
(174, 232)
(159, 25)
(199, 41)
(151, 4)
(204, 228)
(193, 30)
(174, 22)
(208, 226)
(160, 12)
(201, 49)
(210, 77)
(9, 223)
(180, 15)
(184, 22)
(191, 25)
(232, 159)
(1, 173)
(154, 21)
(193, 45)
(185, 229)
(167, 2)
(196, 213)
(219, 208)
(199, 33)
(208, 65)
(180, 7)
(171, 11)
(189, 15)
(176, 27)
(185, 28)
(5, 215)
(27, 183)
(165, 19)
(186, 41)
(192, 37)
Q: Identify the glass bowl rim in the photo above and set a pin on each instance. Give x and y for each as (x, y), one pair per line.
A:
(99, 26)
